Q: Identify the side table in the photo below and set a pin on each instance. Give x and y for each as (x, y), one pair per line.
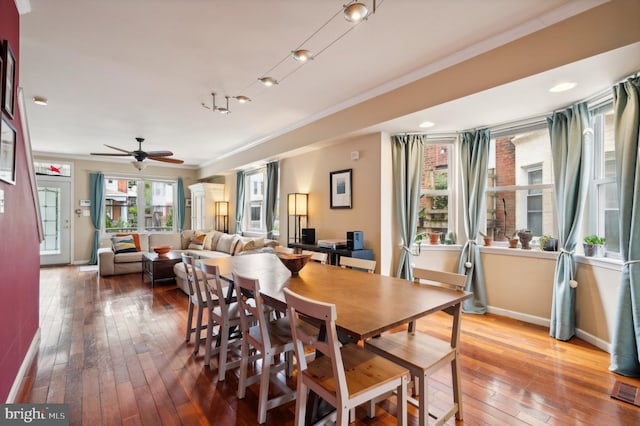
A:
(160, 268)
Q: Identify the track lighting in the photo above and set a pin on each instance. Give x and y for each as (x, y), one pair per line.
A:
(302, 55)
(242, 99)
(355, 12)
(267, 81)
(225, 109)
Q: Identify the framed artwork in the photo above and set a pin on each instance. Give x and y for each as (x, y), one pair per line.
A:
(7, 152)
(8, 79)
(340, 184)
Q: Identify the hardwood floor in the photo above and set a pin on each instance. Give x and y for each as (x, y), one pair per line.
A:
(114, 350)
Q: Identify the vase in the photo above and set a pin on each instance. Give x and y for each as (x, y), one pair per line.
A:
(525, 238)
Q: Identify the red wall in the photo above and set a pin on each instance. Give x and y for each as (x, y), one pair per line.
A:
(19, 246)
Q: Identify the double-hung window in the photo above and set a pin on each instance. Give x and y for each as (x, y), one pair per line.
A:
(519, 191)
(136, 205)
(255, 205)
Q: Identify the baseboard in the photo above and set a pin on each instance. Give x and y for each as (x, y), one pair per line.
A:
(531, 319)
(80, 262)
(26, 363)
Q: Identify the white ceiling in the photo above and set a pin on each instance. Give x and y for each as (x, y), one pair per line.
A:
(114, 70)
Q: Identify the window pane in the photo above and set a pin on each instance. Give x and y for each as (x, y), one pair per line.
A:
(158, 206)
(609, 157)
(433, 208)
(121, 211)
(609, 216)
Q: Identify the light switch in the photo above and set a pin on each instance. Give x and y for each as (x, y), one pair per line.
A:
(86, 212)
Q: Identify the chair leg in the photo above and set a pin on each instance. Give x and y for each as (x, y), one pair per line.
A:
(301, 403)
(265, 378)
(401, 411)
(423, 400)
(189, 321)
(198, 329)
(222, 355)
(244, 365)
(342, 416)
(457, 389)
(207, 351)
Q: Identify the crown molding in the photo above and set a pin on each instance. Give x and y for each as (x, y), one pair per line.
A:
(23, 6)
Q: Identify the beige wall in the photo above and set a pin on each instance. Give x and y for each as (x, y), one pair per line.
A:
(309, 173)
(520, 286)
(82, 227)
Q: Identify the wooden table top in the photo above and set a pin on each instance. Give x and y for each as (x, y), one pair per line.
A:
(155, 257)
(366, 304)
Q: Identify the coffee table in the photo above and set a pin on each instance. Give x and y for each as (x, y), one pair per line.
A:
(160, 268)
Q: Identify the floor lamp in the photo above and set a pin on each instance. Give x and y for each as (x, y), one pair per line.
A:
(222, 216)
(297, 209)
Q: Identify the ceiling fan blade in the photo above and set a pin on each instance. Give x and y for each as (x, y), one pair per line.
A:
(167, 160)
(110, 154)
(119, 149)
(159, 153)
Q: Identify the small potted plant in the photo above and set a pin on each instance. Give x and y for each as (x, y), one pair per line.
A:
(487, 239)
(548, 243)
(434, 237)
(513, 240)
(525, 236)
(593, 245)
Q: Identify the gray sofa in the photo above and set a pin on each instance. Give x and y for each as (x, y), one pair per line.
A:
(199, 244)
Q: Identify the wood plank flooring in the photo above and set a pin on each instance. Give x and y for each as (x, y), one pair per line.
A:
(114, 350)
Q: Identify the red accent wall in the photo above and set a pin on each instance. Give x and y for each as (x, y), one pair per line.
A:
(19, 245)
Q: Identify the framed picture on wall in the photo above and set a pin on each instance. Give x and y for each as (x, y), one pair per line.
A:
(7, 152)
(340, 184)
(8, 79)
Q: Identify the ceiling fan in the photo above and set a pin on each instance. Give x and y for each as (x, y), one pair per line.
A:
(141, 155)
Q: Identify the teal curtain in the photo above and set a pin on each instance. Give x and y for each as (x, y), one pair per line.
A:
(474, 157)
(96, 194)
(407, 152)
(272, 197)
(239, 201)
(625, 358)
(180, 208)
(571, 146)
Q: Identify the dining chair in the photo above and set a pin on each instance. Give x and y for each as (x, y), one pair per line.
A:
(226, 314)
(317, 256)
(269, 339)
(197, 300)
(355, 263)
(422, 354)
(345, 376)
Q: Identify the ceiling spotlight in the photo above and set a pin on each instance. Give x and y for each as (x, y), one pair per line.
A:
(39, 100)
(563, 87)
(302, 55)
(242, 99)
(268, 81)
(426, 124)
(355, 12)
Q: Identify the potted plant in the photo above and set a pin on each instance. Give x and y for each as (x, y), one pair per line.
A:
(593, 245)
(434, 237)
(525, 236)
(513, 240)
(548, 243)
(487, 239)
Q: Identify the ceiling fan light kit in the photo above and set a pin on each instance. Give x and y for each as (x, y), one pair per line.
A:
(140, 155)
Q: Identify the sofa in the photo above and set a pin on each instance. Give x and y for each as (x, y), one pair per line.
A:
(122, 253)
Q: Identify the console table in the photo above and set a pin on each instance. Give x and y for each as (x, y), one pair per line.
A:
(334, 254)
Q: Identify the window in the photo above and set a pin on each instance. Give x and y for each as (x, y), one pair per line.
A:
(434, 208)
(254, 220)
(123, 205)
(520, 183)
(604, 217)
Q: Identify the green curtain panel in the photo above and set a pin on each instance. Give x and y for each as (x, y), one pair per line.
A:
(571, 149)
(272, 197)
(239, 201)
(96, 193)
(407, 152)
(474, 157)
(180, 207)
(626, 337)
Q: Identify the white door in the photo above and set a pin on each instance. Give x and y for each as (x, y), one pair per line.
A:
(54, 197)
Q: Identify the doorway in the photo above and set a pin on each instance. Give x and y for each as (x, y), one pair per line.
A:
(54, 196)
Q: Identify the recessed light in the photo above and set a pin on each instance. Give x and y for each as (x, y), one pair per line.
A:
(39, 100)
(563, 87)
(426, 124)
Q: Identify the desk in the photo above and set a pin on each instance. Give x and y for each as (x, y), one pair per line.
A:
(334, 254)
(366, 304)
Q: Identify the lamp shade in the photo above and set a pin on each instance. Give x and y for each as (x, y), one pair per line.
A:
(297, 204)
(222, 208)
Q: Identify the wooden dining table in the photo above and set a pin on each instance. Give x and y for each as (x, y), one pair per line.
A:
(366, 304)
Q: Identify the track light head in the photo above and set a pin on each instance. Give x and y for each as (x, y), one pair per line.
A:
(355, 12)
(268, 81)
(302, 55)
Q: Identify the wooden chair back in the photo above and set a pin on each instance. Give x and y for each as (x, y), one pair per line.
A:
(440, 278)
(317, 256)
(187, 261)
(252, 307)
(355, 263)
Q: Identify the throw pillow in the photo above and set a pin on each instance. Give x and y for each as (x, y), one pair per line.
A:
(136, 239)
(226, 243)
(124, 244)
(211, 242)
(197, 242)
